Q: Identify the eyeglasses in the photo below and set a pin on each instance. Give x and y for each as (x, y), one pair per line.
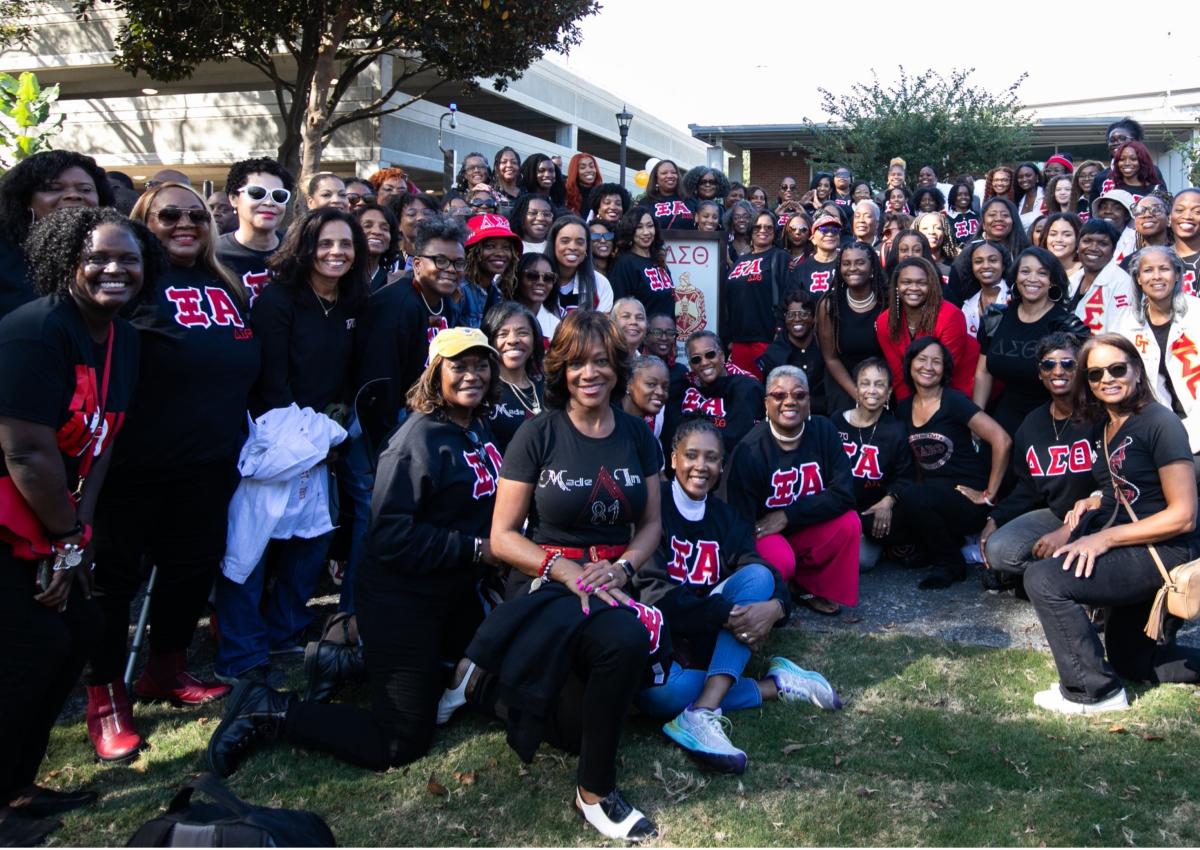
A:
(604, 237)
(797, 315)
(704, 357)
(539, 213)
(1048, 365)
(258, 193)
(779, 396)
(541, 277)
(172, 215)
(1151, 209)
(1116, 370)
(475, 166)
(662, 333)
(444, 263)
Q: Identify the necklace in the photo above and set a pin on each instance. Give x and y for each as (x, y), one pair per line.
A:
(868, 440)
(529, 402)
(322, 302)
(865, 304)
(785, 441)
(1054, 424)
(432, 312)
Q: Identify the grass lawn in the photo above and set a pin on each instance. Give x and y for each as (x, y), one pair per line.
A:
(939, 744)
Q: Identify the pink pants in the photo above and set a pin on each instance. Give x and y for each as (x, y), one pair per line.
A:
(822, 559)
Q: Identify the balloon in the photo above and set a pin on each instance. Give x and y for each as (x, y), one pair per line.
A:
(641, 179)
(651, 162)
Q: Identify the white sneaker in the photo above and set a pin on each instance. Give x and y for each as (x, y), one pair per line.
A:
(614, 818)
(796, 684)
(702, 733)
(1052, 699)
(453, 699)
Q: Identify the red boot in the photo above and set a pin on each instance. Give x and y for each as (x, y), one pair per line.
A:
(164, 678)
(110, 722)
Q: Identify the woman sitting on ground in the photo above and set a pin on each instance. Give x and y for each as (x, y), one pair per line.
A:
(791, 477)
(418, 600)
(1144, 452)
(718, 599)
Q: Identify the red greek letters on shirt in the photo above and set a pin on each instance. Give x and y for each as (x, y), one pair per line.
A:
(1075, 458)
(695, 563)
(485, 478)
(794, 483)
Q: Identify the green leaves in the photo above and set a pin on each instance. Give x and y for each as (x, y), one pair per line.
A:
(25, 124)
(930, 119)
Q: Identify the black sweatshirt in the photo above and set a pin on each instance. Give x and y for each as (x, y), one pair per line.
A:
(435, 488)
(964, 226)
(637, 277)
(816, 277)
(671, 213)
(692, 559)
(305, 353)
(782, 352)
(752, 288)
(15, 286)
(733, 403)
(1052, 461)
(246, 263)
(880, 459)
(811, 484)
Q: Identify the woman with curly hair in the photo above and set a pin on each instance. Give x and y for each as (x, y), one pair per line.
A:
(540, 176)
(705, 184)
(31, 190)
(305, 321)
(390, 183)
(492, 254)
(68, 366)
(928, 199)
(608, 202)
(175, 470)
(959, 210)
(1000, 182)
(583, 175)
(473, 171)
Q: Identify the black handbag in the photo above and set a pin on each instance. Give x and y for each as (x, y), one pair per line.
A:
(229, 822)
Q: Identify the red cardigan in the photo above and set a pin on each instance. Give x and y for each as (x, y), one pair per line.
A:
(951, 329)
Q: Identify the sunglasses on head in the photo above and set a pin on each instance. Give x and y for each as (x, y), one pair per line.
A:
(258, 193)
(1116, 370)
(1047, 365)
(781, 396)
(697, 359)
(172, 215)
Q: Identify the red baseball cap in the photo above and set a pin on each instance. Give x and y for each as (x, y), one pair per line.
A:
(490, 226)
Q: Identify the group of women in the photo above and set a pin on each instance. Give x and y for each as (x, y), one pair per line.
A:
(573, 508)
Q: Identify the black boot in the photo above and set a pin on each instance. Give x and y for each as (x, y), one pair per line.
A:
(329, 666)
(941, 577)
(254, 715)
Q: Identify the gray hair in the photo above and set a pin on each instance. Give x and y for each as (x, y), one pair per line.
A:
(646, 361)
(873, 206)
(780, 372)
(727, 220)
(1179, 304)
(628, 299)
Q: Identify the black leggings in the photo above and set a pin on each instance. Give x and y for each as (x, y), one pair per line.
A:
(587, 718)
(42, 653)
(406, 639)
(180, 526)
(937, 517)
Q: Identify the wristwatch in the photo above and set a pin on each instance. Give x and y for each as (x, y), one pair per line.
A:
(624, 564)
(68, 558)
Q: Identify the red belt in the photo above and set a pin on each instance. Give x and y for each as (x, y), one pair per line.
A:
(593, 554)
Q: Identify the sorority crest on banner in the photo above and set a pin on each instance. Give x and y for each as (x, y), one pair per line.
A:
(690, 313)
(694, 258)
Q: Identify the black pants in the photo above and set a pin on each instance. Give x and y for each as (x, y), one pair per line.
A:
(42, 653)
(937, 518)
(178, 524)
(589, 714)
(1126, 580)
(406, 639)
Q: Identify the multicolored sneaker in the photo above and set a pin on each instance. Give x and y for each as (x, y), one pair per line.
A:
(796, 684)
(701, 732)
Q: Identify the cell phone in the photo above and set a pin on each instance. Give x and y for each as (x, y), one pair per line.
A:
(45, 573)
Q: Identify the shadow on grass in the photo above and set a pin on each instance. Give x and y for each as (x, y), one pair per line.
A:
(939, 745)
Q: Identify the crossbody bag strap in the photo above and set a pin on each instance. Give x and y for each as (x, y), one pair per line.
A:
(1166, 576)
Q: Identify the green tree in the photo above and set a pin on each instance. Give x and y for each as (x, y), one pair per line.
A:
(314, 51)
(25, 122)
(13, 30)
(947, 122)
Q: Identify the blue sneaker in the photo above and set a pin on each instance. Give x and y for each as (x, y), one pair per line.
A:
(701, 733)
(795, 684)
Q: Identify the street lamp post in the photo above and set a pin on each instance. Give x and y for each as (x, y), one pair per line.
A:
(623, 121)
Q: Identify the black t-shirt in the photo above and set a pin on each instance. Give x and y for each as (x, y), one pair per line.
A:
(637, 277)
(782, 352)
(753, 286)
(588, 491)
(52, 374)
(246, 263)
(944, 447)
(880, 459)
(816, 277)
(734, 403)
(15, 286)
(1052, 461)
(1161, 332)
(856, 337)
(305, 353)
(1147, 442)
(1191, 273)
(965, 226)
(1011, 354)
(512, 410)
(199, 360)
(671, 213)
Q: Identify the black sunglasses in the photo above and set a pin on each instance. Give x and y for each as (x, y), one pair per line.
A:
(172, 215)
(1116, 370)
(1049, 363)
(541, 277)
(697, 359)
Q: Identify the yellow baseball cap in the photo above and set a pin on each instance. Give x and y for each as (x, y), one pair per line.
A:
(455, 341)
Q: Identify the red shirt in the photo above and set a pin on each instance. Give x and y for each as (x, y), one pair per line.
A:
(951, 329)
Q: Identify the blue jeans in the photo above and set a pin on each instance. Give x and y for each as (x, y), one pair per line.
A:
(1010, 548)
(357, 479)
(752, 583)
(251, 626)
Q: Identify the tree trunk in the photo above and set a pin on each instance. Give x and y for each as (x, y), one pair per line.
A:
(317, 110)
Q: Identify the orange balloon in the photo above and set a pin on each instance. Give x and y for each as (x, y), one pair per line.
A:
(641, 179)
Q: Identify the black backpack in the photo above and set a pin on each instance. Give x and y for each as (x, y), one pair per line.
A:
(229, 822)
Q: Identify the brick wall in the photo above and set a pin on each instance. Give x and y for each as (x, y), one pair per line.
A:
(768, 167)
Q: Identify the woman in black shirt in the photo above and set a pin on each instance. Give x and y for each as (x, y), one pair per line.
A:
(582, 481)
(1009, 337)
(639, 270)
(752, 289)
(175, 469)
(956, 483)
(649, 386)
(796, 345)
(305, 322)
(1147, 498)
(846, 321)
(68, 367)
(540, 176)
(664, 199)
(734, 403)
(418, 595)
(736, 223)
(515, 334)
(383, 241)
